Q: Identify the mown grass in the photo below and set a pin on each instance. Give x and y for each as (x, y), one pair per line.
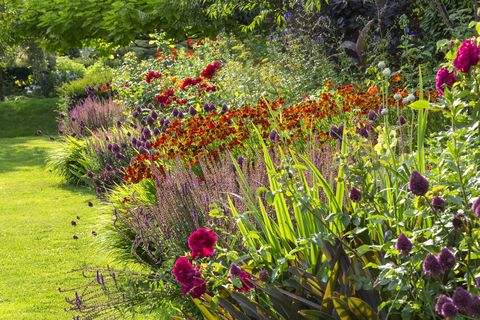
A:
(37, 249)
(25, 116)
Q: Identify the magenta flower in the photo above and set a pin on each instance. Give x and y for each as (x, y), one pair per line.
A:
(444, 77)
(244, 277)
(189, 277)
(202, 243)
(467, 56)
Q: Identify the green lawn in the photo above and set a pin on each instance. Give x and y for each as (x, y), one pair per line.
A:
(27, 115)
(37, 249)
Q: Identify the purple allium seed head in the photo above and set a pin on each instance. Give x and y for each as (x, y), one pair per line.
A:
(474, 309)
(90, 174)
(476, 207)
(477, 283)
(458, 221)
(404, 244)
(431, 265)
(156, 131)
(418, 184)
(75, 237)
(438, 203)
(263, 275)
(449, 310)
(240, 160)
(135, 114)
(142, 149)
(372, 115)
(192, 111)
(206, 107)
(180, 115)
(402, 120)
(441, 300)
(462, 299)
(355, 194)
(154, 115)
(90, 203)
(119, 124)
(73, 223)
(116, 147)
(108, 167)
(98, 190)
(175, 112)
(446, 258)
(274, 137)
(225, 108)
(235, 270)
(150, 120)
(120, 156)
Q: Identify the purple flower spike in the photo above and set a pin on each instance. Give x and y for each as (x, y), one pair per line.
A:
(462, 299)
(355, 194)
(438, 203)
(404, 244)
(431, 266)
(477, 283)
(446, 259)
(418, 184)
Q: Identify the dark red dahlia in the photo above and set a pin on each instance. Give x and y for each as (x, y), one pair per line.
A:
(202, 243)
(211, 70)
(152, 75)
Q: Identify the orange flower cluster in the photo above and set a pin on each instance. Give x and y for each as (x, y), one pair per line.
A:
(211, 134)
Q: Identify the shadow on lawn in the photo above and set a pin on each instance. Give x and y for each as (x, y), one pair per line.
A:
(19, 154)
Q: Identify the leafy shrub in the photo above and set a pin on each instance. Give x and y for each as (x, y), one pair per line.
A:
(67, 70)
(95, 76)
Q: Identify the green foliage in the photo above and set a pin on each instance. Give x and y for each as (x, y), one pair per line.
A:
(95, 75)
(67, 70)
(65, 24)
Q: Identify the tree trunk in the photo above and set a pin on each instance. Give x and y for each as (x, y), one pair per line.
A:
(444, 13)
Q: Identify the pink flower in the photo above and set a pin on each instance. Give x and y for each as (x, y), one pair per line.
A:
(202, 243)
(444, 77)
(467, 56)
